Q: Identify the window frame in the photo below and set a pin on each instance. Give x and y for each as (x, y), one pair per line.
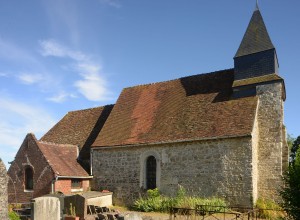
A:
(151, 172)
(28, 175)
(143, 167)
(78, 184)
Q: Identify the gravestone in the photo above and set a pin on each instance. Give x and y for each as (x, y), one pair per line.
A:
(3, 192)
(46, 207)
(78, 203)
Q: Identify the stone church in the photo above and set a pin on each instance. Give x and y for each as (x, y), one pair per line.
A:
(218, 134)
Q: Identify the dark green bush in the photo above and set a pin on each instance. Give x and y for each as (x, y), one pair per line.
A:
(291, 191)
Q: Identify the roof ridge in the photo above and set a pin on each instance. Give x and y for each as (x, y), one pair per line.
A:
(56, 144)
(171, 80)
(98, 107)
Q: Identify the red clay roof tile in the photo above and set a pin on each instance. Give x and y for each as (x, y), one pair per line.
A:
(188, 108)
(79, 128)
(62, 159)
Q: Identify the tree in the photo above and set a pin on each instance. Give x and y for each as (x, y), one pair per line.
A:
(295, 147)
(290, 141)
(291, 190)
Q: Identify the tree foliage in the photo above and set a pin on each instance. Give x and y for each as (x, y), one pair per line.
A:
(291, 190)
(295, 147)
(290, 141)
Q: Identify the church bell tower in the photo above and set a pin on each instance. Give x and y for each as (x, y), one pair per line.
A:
(256, 74)
(256, 55)
(255, 61)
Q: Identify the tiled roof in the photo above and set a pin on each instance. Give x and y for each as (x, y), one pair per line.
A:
(255, 80)
(256, 38)
(62, 159)
(188, 108)
(79, 128)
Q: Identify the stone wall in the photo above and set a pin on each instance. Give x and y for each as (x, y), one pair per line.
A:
(3, 192)
(272, 154)
(221, 168)
(255, 141)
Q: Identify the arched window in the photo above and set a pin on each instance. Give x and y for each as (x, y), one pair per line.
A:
(28, 178)
(151, 172)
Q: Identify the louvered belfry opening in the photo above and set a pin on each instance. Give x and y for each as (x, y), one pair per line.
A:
(151, 172)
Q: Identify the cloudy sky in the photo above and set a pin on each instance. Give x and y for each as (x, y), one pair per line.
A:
(63, 55)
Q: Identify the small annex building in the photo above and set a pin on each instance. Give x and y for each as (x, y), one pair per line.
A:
(218, 134)
(42, 168)
(59, 162)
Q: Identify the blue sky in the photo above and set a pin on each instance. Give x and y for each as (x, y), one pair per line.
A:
(62, 55)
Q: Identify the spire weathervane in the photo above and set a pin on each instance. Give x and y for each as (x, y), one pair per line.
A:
(256, 7)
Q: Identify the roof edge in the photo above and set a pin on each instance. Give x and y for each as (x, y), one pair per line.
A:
(171, 142)
(74, 177)
(32, 136)
(272, 48)
(148, 84)
(245, 82)
(86, 109)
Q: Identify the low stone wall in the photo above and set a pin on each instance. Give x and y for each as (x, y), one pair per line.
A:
(3, 192)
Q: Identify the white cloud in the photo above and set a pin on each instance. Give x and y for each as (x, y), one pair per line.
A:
(63, 19)
(92, 84)
(52, 48)
(3, 74)
(61, 97)
(29, 118)
(113, 3)
(16, 120)
(30, 78)
(93, 87)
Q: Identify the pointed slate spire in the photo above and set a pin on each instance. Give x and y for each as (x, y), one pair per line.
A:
(256, 38)
(256, 55)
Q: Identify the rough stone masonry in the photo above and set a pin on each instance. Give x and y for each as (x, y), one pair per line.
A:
(3, 192)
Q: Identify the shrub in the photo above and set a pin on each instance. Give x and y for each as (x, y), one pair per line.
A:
(269, 209)
(155, 202)
(13, 216)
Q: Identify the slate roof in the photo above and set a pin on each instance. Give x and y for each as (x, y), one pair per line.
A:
(189, 108)
(62, 159)
(256, 38)
(79, 128)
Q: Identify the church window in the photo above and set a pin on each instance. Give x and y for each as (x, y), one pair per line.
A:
(28, 178)
(151, 172)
